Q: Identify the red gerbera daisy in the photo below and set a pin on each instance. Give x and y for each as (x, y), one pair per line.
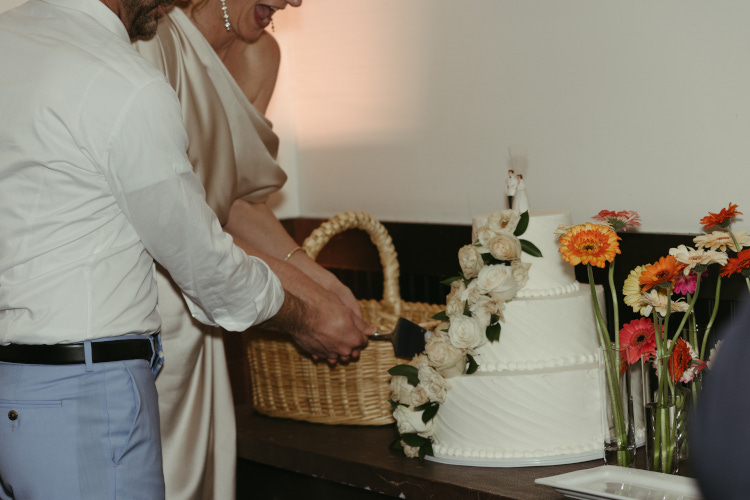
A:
(663, 271)
(720, 219)
(636, 339)
(680, 360)
(736, 264)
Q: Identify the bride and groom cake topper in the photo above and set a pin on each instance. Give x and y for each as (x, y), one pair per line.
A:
(515, 187)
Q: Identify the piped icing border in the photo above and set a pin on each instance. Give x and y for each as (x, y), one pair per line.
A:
(452, 451)
(526, 293)
(564, 362)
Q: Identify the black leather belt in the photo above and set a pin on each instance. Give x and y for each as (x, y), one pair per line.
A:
(71, 354)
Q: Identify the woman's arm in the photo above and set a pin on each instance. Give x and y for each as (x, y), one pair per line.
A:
(258, 228)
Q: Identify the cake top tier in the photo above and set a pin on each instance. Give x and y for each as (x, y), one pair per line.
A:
(549, 275)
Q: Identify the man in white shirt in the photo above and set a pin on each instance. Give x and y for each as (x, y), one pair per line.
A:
(94, 186)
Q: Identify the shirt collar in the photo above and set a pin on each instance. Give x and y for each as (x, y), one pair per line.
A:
(100, 12)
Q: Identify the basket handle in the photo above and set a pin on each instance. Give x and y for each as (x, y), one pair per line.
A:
(379, 237)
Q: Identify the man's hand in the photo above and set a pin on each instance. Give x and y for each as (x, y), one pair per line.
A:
(324, 327)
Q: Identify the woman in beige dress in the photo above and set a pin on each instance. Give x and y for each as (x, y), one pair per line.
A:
(223, 66)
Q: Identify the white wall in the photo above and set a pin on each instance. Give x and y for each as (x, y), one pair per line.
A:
(407, 110)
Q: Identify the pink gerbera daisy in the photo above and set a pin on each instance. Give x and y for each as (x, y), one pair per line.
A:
(686, 284)
(636, 339)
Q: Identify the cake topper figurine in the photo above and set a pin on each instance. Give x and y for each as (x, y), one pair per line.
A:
(515, 187)
(511, 184)
(521, 199)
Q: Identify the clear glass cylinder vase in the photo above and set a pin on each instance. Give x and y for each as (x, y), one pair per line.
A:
(618, 418)
(667, 406)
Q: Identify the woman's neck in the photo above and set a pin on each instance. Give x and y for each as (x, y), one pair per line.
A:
(211, 26)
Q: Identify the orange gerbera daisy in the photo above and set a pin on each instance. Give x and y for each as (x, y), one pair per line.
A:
(719, 219)
(663, 271)
(589, 244)
(680, 360)
(736, 264)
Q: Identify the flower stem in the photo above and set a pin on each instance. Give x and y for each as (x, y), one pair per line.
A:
(611, 360)
(702, 352)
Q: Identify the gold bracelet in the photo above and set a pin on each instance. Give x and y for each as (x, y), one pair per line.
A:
(289, 255)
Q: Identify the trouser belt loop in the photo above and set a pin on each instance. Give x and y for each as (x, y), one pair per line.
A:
(87, 356)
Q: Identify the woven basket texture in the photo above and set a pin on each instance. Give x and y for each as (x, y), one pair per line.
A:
(287, 383)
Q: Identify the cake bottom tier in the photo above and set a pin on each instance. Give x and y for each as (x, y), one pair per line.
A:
(538, 417)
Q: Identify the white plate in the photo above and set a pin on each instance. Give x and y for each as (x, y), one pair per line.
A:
(616, 483)
(519, 462)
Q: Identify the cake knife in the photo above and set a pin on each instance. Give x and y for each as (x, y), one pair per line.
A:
(408, 338)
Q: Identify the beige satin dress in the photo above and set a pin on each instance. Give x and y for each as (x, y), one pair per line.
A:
(233, 150)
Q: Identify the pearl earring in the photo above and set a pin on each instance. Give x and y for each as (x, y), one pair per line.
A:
(224, 14)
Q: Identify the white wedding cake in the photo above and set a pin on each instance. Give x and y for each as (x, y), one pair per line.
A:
(536, 397)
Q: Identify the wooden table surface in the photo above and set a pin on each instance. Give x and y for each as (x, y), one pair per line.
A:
(360, 458)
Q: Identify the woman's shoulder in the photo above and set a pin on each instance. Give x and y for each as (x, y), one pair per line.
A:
(255, 66)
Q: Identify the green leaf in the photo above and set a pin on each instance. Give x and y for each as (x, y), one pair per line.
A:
(396, 445)
(430, 412)
(447, 282)
(410, 372)
(441, 316)
(473, 365)
(522, 224)
(413, 439)
(493, 332)
(467, 311)
(530, 248)
(494, 318)
(425, 449)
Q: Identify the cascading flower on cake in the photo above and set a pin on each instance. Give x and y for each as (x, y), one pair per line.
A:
(491, 273)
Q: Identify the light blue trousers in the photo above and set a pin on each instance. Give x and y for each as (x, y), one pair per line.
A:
(78, 432)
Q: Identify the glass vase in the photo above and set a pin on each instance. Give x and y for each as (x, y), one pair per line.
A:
(667, 406)
(618, 421)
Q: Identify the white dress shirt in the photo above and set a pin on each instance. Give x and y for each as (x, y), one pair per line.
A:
(95, 184)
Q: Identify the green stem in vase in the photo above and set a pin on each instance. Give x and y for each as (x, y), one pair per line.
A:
(702, 353)
(612, 364)
(615, 306)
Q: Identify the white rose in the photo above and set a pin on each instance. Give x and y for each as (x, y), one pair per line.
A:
(499, 305)
(470, 260)
(409, 421)
(504, 220)
(457, 289)
(485, 235)
(441, 330)
(520, 272)
(410, 451)
(483, 309)
(403, 392)
(498, 280)
(470, 294)
(466, 333)
(454, 307)
(505, 246)
(447, 359)
(434, 384)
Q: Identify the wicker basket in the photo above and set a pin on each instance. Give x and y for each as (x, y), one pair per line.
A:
(287, 383)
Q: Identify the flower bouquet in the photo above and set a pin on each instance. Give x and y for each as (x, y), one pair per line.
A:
(491, 272)
(660, 290)
(665, 293)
